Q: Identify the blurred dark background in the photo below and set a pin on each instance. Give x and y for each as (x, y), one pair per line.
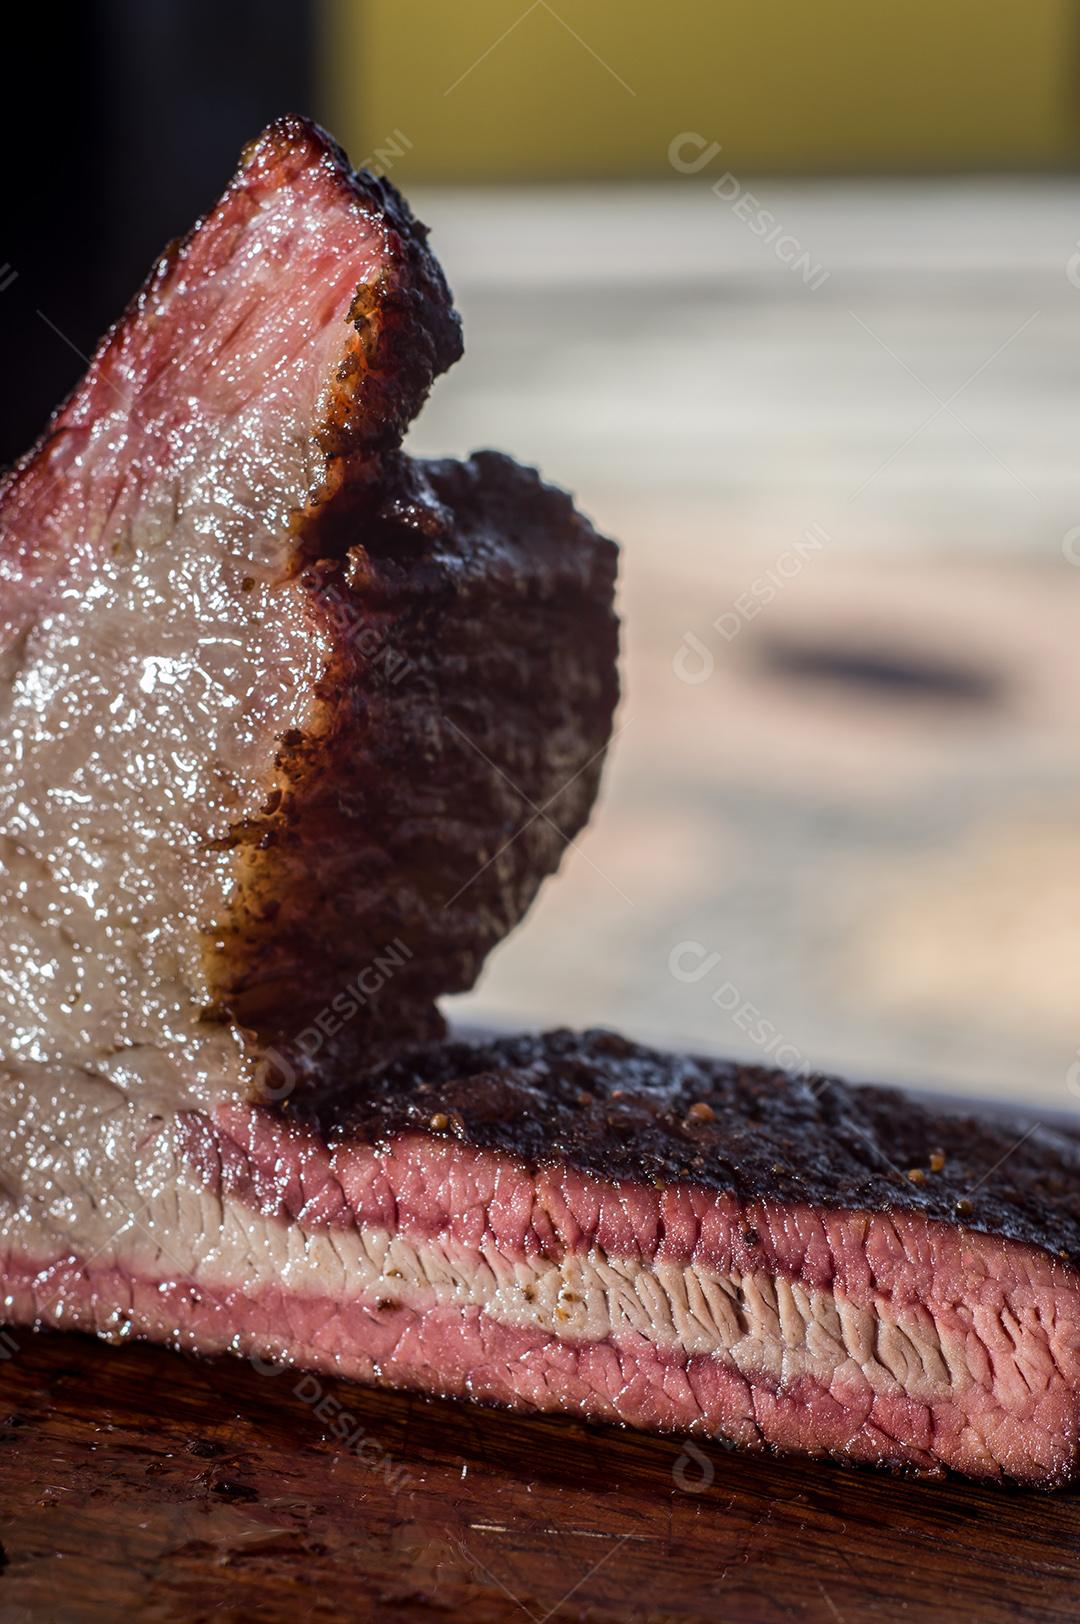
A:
(142, 107)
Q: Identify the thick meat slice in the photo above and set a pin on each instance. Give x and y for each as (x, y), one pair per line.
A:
(466, 706)
(275, 703)
(574, 1223)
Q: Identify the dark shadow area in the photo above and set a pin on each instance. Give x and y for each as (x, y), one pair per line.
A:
(128, 121)
(884, 672)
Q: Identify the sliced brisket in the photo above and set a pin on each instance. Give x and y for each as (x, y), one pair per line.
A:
(291, 729)
(574, 1223)
(278, 706)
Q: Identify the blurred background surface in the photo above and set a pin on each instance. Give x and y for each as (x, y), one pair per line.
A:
(791, 299)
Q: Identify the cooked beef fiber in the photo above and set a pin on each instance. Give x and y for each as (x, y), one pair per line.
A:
(574, 1223)
(285, 717)
(291, 730)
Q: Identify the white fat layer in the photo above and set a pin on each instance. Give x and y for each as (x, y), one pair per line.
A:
(86, 1176)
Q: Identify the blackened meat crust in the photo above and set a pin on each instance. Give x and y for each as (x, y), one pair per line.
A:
(408, 329)
(622, 1111)
(473, 679)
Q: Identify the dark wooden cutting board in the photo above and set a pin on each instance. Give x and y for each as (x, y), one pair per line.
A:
(135, 1483)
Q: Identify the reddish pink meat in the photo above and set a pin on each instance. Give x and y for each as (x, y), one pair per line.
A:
(446, 1257)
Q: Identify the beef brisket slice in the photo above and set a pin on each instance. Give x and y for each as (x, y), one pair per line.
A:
(575, 1223)
(274, 701)
(467, 705)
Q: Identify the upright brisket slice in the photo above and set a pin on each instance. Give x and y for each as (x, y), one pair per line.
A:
(574, 1223)
(467, 705)
(277, 705)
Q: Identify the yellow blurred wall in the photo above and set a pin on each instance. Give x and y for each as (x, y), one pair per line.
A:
(505, 89)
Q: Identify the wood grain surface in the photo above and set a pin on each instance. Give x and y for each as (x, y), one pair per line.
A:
(135, 1483)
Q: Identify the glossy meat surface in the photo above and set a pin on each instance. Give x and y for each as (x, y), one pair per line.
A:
(430, 1246)
(247, 752)
(623, 1110)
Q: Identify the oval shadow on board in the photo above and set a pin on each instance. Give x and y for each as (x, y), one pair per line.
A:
(877, 671)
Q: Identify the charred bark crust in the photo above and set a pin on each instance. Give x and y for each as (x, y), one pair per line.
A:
(463, 723)
(619, 1110)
